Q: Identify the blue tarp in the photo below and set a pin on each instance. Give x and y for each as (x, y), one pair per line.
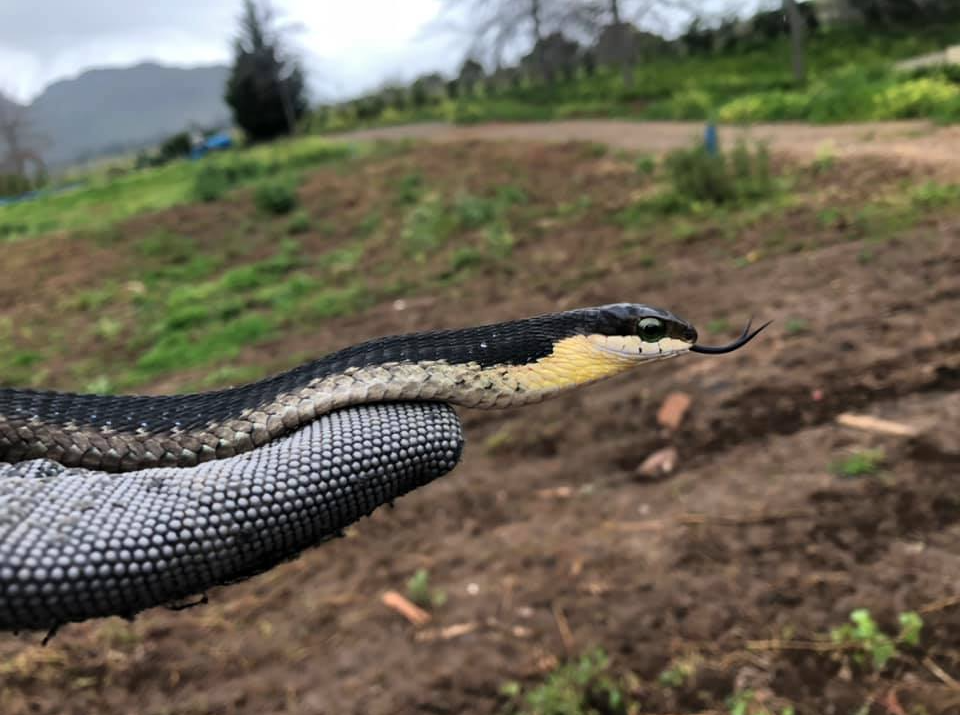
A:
(217, 142)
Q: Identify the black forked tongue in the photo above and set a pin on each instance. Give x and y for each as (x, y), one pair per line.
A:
(745, 337)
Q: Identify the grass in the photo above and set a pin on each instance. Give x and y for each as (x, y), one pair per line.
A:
(173, 303)
(422, 593)
(869, 645)
(275, 196)
(582, 687)
(176, 303)
(859, 464)
(103, 200)
(850, 79)
(745, 702)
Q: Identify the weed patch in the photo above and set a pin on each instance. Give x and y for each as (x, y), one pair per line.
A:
(275, 196)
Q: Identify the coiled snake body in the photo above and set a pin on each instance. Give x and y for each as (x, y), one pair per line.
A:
(109, 505)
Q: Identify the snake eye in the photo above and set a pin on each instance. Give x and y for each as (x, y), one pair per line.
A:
(651, 330)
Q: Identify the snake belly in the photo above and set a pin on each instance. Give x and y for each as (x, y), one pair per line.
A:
(77, 543)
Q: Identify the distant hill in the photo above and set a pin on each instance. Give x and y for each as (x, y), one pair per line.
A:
(106, 111)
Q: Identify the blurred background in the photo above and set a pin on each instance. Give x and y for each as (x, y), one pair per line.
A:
(193, 196)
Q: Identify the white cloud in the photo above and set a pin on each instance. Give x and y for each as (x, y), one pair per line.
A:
(347, 46)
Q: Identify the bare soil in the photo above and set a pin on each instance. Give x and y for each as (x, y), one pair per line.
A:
(548, 542)
(911, 142)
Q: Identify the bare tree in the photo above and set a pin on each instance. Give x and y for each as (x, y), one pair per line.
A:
(19, 141)
(496, 26)
(618, 24)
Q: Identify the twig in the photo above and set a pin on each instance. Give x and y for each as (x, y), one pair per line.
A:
(413, 613)
(566, 635)
(818, 646)
(651, 525)
(941, 605)
(446, 633)
(892, 703)
(877, 425)
(693, 519)
(944, 677)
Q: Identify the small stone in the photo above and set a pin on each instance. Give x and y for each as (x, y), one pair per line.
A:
(659, 464)
(673, 409)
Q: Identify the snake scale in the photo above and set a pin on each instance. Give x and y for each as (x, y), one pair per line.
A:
(113, 504)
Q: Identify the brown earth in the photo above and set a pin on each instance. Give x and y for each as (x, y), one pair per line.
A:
(914, 142)
(548, 542)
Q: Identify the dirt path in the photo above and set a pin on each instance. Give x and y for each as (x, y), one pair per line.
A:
(916, 142)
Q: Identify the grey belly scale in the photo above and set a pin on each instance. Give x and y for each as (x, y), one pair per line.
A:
(78, 544)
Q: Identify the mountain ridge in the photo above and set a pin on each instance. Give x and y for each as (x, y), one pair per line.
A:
(107, 110)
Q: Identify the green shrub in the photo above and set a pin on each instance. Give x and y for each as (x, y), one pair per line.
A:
(410, 189)
(474, 211)
(299, 223)
(425, 226)
(646, 165)
(859, 464)
(275, 197)
(500, 240)
(922, 97)
(474, 111)
(868, 640)
(697, 176)
(422, 593)
(14, 185)
(765, 106)
(210, 183)
(581, 686)
(465, 257)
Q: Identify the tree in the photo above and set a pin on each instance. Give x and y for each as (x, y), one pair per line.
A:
(893, 13)
(616, 26)
(266, 85)
(797, 32)
(470, 76)
(498, 25)
(19, 145)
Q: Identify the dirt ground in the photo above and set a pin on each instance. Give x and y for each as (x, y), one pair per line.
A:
(548, 541)
(913, 142)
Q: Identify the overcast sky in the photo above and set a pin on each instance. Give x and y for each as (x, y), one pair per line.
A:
(347, 46)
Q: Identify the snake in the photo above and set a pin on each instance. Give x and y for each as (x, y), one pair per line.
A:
(112, 504)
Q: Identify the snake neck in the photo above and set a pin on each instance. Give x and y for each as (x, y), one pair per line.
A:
(498, 365)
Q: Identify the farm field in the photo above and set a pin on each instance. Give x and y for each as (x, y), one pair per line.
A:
(559, 577)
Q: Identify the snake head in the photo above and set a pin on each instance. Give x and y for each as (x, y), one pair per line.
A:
(638, 332)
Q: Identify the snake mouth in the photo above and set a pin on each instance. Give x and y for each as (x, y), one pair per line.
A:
(636, 350)
(745, 337)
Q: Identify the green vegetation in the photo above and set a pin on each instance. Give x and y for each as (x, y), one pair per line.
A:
(298, 223)
(422, 593)
(266, 88)
(679, 672)
(698, 176)
(425, 226)
(582, 687)
(275, 196)
(170, 302)
(859, 464)
(105, 200)
(850, 78)
(796, 326)
(745, 702)
(869, 645)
